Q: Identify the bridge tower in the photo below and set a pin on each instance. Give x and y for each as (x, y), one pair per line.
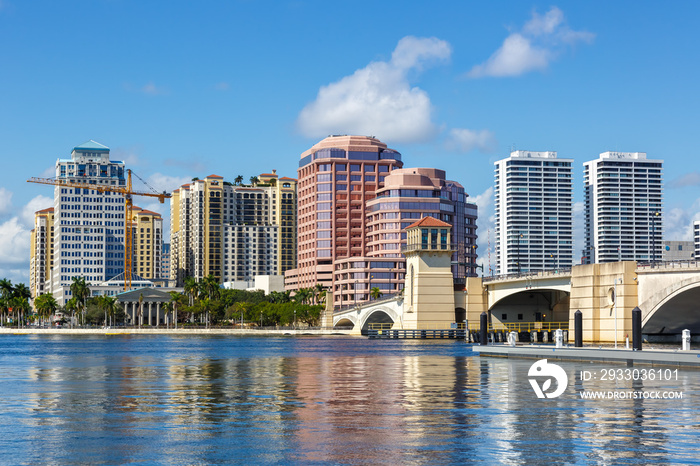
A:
(429, 291)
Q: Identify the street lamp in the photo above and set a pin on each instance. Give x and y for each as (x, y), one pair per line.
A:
(369, 290)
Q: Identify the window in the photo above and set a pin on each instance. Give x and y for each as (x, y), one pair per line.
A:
(504, 316)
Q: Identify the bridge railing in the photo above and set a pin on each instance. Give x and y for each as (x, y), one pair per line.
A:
(522, 326)
(531, 274)
(683, 264)
(384, 299)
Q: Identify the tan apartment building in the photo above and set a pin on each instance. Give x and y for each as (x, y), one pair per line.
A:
(41, 252)
(233, 232)
(147, 232)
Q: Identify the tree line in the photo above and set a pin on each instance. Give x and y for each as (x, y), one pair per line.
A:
(201, 302)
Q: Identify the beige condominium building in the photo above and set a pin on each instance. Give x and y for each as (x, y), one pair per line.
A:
(41, 252)
(232, 231)
(147, 231)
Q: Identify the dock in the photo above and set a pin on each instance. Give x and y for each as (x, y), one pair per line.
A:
(653, 357)
(454, 334)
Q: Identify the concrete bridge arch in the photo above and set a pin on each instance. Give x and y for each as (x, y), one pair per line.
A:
(360, 318)
(673, 308)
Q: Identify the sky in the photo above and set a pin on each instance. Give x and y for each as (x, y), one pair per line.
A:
(187, 89)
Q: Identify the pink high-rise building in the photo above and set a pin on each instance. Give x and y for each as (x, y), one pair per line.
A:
(337, 177)
(408, 195)
(355, 201)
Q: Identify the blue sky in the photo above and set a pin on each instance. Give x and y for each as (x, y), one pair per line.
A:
(183, 89)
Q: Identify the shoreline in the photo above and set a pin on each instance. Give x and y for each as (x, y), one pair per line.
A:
(172, 331)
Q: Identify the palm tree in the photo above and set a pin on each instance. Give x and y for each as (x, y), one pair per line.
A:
(191, 289)
(302, 295)
(176, 301)
(111, 307)
(238, 180)
(22, 292)
(6, 290)
(210, 285)
(317, 289)
(21, 306)
(45, 305)
(254, 180)
(375, 293)
(80, 291)
(238, 308)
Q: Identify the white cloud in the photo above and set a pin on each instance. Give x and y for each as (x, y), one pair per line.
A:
(678, 224)
(49, 172)
(167, 183)
(416, 52)
(14, 240)
(467, 140)
(152, 89)
(378, 99)
(542, 25)
(37, 203)
(14, 244)
(128, 155)
(5, 201)
(689, 179)
(486, 230)
(541, 41)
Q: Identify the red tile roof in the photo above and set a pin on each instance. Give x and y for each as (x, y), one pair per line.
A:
(429, 222)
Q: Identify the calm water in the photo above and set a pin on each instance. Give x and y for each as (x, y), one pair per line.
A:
(336, 400)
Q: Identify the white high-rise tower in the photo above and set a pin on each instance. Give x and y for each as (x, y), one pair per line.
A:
(88, 225)
(624, 208)
(533, 195)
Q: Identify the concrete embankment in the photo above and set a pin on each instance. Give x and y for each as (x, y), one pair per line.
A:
(655, 357)
(171, 331)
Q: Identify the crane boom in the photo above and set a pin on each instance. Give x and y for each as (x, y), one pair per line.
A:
(127, 192)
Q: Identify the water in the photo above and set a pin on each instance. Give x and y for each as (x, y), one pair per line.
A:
(334, 400)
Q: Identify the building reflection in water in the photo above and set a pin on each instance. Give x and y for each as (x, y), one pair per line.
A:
(219, 400)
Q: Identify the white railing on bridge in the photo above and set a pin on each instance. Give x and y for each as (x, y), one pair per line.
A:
(667, 265)
(372, 302)
(528, 275)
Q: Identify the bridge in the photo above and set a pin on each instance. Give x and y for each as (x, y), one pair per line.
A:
(667, 293)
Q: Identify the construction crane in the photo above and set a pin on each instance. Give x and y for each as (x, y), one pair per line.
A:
(125, 191)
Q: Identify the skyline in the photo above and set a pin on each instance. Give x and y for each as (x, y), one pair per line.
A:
(241, 89)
